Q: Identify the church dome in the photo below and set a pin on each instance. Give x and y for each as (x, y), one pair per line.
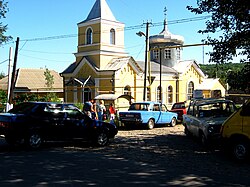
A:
(165, 37)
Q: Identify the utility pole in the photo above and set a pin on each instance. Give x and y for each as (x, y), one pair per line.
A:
(13, 77)
(8, 106)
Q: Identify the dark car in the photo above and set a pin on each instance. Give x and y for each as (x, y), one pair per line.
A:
(36, 122)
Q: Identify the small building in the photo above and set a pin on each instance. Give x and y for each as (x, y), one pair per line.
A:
(32, 81)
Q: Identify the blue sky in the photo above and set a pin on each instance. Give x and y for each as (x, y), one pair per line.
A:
(33, 19)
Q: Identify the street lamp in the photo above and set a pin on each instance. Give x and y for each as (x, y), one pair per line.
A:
(146, 58)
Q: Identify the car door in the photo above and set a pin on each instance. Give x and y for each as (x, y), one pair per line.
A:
(157, 113)
(77, 124)
(245, 113)
(165, 115)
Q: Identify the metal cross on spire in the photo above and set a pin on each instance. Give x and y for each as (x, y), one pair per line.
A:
(165, 12)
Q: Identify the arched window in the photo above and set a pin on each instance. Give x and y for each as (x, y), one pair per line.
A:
(127, 90)
(170, 94)
(159, 94)
(89, 36)
(190, 90)
(148, 94)
(112, 36)
(87, 94)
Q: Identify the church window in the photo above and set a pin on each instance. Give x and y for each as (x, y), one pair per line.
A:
(127, 90)
(112, 36)
(156, 53)
(170, 94)
(178, 53)
(159, 94)
(148, 94)
(89, 36)
(167, 54)
(190, 90)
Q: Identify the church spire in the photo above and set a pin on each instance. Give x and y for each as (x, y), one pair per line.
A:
(165, 26)
(100, 10)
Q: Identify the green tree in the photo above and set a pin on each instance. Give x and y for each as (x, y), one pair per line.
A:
(239, 80)
(3, 28)
(49, 83)
(231, 19)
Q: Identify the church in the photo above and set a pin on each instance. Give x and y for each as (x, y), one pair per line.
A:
(103, 70)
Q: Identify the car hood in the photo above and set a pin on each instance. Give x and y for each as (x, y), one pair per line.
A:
(213, 120)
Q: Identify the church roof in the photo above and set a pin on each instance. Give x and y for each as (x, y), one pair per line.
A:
(183, 66)
(166, 37)
(155, 67)
(100, 10)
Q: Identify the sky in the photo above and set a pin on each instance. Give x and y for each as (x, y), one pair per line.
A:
(48, 29)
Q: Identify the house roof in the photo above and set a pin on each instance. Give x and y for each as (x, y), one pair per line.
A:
(100, 10)
(208, 84)
(33, 80)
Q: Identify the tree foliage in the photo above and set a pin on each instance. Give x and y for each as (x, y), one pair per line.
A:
(3, 28)
(231, 19)
(236, 75)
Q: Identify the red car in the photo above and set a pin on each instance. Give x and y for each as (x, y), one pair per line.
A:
(180, 109)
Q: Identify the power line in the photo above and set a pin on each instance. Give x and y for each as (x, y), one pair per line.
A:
(125, 29)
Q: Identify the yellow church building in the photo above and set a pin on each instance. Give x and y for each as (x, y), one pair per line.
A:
(103, 70)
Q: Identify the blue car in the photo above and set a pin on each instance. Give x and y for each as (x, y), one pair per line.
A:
(147, 114)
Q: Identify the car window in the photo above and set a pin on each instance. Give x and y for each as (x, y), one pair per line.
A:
(220, 109)
(22, 108)
(163, 108)
(156, 107)
(139, 106)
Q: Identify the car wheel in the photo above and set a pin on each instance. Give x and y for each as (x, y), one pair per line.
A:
(102, 139)
(173, 122)
(34, 140)
(151, 124)
(186, 131)
(203, 139)
(240, 150)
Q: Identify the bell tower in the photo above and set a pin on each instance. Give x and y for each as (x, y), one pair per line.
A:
(100, 36)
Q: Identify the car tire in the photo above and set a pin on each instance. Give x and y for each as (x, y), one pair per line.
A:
(240, 149)
(150, 124)
(186, 131)
(102, 139)
(34, 140)
(203, 140)
(173, 122)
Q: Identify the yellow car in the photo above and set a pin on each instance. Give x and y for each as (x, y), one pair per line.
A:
(235, 132)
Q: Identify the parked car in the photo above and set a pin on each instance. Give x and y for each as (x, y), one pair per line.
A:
(147, 114)
(205, 117)
(180, 109)
(36, 122)
(235, 133)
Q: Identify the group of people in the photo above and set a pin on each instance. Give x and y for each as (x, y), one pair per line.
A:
(97, 110)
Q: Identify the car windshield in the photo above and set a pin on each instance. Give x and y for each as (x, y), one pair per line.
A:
(139, 106)
(219, 109)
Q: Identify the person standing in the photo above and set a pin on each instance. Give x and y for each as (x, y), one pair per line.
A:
(101, 110)
(112, 112)
(88, 108)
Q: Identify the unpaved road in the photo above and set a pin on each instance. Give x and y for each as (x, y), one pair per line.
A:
(159, 157)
